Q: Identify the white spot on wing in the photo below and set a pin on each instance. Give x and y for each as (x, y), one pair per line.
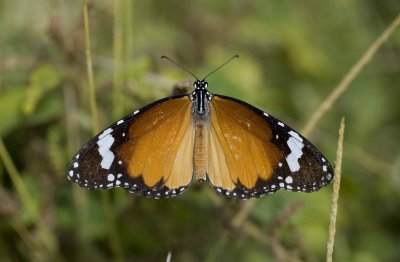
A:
(106, 132)
(110, 177)
(281, 124)
(120, 122)
(76, 164)
(295, 135)
(104, 150)
(265, 114)
(137, 111)
(289, 180)
(296, 152)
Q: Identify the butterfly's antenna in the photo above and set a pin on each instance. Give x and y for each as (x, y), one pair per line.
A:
(216, 69)
(172, 61)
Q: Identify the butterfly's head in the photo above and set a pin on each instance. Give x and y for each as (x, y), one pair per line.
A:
(200, 85)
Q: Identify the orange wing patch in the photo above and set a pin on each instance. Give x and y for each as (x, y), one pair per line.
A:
(159, 141)
(218, 172)
(242, 152)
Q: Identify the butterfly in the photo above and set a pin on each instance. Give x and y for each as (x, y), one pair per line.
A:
(242, 151)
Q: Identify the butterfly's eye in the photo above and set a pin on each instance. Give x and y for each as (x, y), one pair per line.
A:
(197, 84)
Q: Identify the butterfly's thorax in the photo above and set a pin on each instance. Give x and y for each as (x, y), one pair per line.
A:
(200, 99)
(200, 113)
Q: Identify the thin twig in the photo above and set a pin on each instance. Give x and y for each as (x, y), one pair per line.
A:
(79, 196)
(89, 66)
(128, 33)
(349, 77)
(279, 252)
(29, 240)
(335, 194)
(243, 213)
(105, 196)
(118, 70)
(369, 161)
(49, 247)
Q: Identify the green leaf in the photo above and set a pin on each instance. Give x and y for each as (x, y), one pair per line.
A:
(10, 113)
(44, 79)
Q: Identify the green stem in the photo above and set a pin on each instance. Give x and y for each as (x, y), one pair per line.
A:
(89, 65)
(47, 239)
(118, 54)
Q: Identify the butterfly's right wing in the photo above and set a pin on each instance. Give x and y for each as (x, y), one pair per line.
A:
(252, 153)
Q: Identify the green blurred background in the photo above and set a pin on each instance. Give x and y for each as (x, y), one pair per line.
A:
(292, 55)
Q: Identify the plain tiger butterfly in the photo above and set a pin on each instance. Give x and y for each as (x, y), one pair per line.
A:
(242, 151)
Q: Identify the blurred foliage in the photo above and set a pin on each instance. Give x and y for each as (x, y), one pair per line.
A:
(292, 54)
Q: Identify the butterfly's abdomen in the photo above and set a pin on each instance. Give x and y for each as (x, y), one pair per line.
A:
(200, 150)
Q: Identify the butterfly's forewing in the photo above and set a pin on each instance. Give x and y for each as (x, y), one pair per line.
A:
(148, 152)
(251, 153)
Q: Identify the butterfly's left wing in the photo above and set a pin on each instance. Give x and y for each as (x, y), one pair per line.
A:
(147, 152)
(252, 153)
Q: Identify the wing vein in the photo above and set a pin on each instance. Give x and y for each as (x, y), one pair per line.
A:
(219, 123)
(170, 146)
(169, 175)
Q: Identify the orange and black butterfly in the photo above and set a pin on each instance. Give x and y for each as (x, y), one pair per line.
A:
(242, 151)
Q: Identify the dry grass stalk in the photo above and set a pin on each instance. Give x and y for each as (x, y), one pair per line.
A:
(335, 195)
(349, 77)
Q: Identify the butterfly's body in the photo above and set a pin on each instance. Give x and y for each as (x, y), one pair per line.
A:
(200, 115)
(242, 151)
